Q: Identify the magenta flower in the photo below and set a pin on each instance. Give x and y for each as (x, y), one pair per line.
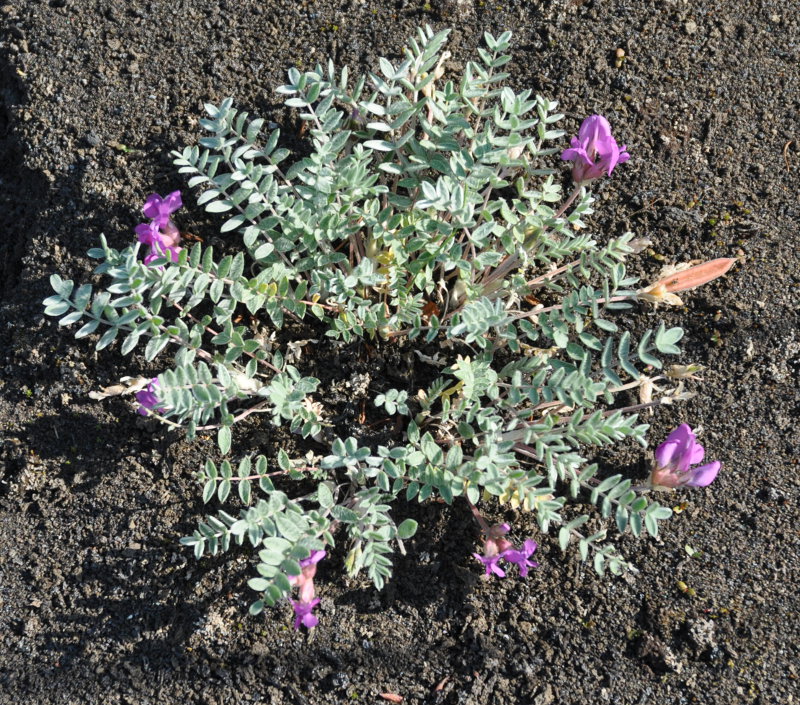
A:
(161, 235)
(160, 244)
(158, 250)
(305, 581)
(308, 566)
(303, 613)
(170, 235)
(148, 234)
(674, 458)
(160, 209)
(497, 548)
(594, 151)
(148, 399)
(491, 564)
(520, 557)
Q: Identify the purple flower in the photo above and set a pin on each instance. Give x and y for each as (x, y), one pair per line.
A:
(305, 581)
(160, 209)
(491, 564)
(148, 399)
(520, 557)
(158, 250)
(303, 613)
(313, 559)
(594, 140)
(148, 234)
(497, 548)
(308, 568)
(160, 244)
(170, 235)
(674, 458)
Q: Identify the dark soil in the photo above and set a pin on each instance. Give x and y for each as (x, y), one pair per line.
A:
(98, 601)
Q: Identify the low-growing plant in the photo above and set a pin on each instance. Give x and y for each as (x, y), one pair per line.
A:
(428, 209)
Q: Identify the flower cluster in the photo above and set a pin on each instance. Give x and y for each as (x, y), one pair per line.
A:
(161, 235)
(303, 608)
(594, 140)
(497, 548)
(674, 458)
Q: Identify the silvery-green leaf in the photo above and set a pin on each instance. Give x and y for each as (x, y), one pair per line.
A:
(224, 439)
(407, 529)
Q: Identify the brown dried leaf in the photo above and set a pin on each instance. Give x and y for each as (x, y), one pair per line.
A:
(429, 309)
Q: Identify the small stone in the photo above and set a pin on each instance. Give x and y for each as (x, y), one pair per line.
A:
(340, 680)
(690, 27)
(658, 654)
(546, 697)
(702, 634)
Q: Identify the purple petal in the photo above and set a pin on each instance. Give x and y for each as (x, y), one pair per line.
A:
(523, 568)
(315, 557)
(520, 557)
(303, 613)
(576, 152)
(682, 434)
(148, 233)
(173, 201)
(170, 235)
(666, 452)
(704, 475)
(696, 453)
(609, 152)
(142, 410)
(688, 454)
(151, 205)
(310, 621)
(159, 209)
(514, 555)
(148, 399)
(678, 450)
(498, 571)
(158, 250)
(593, 129)
(491, 564)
